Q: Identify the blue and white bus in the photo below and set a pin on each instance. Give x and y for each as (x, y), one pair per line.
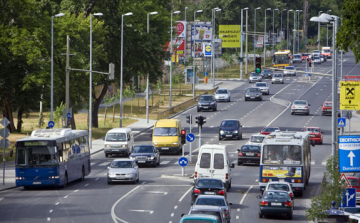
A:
(52, 157)
(286, 156)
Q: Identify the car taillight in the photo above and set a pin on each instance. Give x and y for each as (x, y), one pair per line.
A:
(227, 176)
(291, 195)
(292, 106)
(221, 192)
(195, 176)
(196, 191)
(258, 154)
(288, 204)
(264, 203)
(306, 107)
(240, 154)
(265, 180)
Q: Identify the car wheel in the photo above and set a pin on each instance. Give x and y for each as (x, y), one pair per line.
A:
(268, 92)
(241, 136)
(321, 142)
(260, 99)
(261, 215)
(292, 113)
(272, 82)
(106, 155)
(245, 99)
(229, 100)
(109, 181)
(308, 113)
(290, 216)
(158, 163)
(198, 110)
(239, 163)
(220, 138)
(138, 179)
(283, 82)
(215, 109)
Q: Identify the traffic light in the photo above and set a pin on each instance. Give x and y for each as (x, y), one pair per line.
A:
(183, 136)
(189, 119)
(240, 59)
(200, 120)
(258, 65)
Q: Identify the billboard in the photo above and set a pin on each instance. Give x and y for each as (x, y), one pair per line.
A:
(202, 32)
(230, 35)
(180, 28)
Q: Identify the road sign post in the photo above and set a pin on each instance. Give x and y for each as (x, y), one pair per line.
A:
(4, 142)
(349, 153)
(183, 162)
(341, 122)
(348, 197)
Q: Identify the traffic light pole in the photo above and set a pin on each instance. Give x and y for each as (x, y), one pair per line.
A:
(190, 148)
(200, 136)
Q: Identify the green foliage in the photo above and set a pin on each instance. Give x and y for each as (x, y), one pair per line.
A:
(330, 191)
(129, 91)
(58, 113)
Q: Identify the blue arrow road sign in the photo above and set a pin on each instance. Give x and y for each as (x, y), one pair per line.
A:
(349, 197)
(349, 153)
(69, 115)
(341, 122)
(190, 137)
(51, 124)
(183, 161)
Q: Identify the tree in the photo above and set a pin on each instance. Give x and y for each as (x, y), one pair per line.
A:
(330, 191)
(129, 92)
(348, 36)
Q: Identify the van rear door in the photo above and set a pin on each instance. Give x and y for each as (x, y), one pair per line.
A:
(205, 169)
(218, 165)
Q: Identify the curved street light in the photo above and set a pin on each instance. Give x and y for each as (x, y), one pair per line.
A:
(194, 73)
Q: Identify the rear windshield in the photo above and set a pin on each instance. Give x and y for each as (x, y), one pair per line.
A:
(276, 195)
(210, 201)
(328, 104)
(289, 68)
(283, 187)
(300, 103)
(214, 213)
(354, 182)
(312, 130)
(257, 139)
(197, 221)
(270, 129)
(203, 182)
(250, 148)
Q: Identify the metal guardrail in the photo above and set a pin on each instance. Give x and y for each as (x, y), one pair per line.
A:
(182, 106)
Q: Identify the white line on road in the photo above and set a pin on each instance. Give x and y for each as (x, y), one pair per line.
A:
(157, 192)
(175, 207)
(165, 162)
(86, 185)
(57, 203)
(48, 219)
(51, 211)
(182, 197)
(113, 216)
(66, 196)
(104, 164)
(143, 211)
(172, 215)
(243, 198)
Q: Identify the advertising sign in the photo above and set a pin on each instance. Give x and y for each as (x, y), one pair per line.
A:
(349, 95)
(180, 28)
(207, 47)
(218, 46)
(281, 172)
(230, 35)
(202, 32)
(352, 78)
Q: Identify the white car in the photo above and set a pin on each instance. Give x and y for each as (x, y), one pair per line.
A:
(254, 77)
(256, 139)
(290, 70)
(123, 170)
(283, 186)
(316, 60)
(264, 87)
(222, 94)
(277, 78)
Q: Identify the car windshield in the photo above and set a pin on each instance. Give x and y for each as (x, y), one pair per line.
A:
(253, 90)
(270, 129)
(313, 130)
(297, 56)
(326, 51)
(305, 54)
(210, 201)
(143, 149)
(300, 103)
(121, 164)
(254, 75)
(276, 195)
(282, 154)
(316, 57)
(283, 187)
(250, 148)
(221, 91)
(206, 98)
(260, 85)
(229, 124)
(289, 68)
(277, 75)
(116, 137)
(328, 105)
(209, 183)
(257, 139)
(165, 132)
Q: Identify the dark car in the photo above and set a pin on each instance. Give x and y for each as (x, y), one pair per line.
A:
(253, 94)
(209, 210)
(206, 102)
(146, 154)
(230, 128)
(207, 186)
(267, 73)
(249, 154)
(275, 203)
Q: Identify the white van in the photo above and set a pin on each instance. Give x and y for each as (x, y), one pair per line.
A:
(213, 161)
(118, 141)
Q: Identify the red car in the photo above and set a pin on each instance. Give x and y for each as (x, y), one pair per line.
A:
(268, 130)
(305, 56)
(326, 108)
(354, 182)
(315, 134)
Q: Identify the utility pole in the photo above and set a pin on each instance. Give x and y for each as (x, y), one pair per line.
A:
(67, 69)
(246, 45)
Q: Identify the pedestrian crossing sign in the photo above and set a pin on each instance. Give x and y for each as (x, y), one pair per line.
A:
(341, 122)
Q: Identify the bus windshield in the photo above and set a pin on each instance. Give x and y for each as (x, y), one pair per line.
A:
(281, 59)
(282, 154)
(37, 156)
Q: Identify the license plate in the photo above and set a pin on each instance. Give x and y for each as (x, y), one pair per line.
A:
(299, 110)
(205, 107)
(228, 135)
(165, 148)
(249, 154)
(114, 150)
(275, 204)
(36, 183)
(141, 161)
(253, 97)
(281, 180)
(312, 136)
(120, 177)
(207, 192)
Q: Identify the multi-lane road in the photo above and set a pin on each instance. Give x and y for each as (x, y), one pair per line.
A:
(161, 197)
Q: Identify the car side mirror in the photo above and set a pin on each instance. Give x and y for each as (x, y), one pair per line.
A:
(232, 165)
(182, 214)
(238, 150)
(259, 197)
(230, 203)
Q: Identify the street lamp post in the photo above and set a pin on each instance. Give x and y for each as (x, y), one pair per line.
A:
(319, 32)
(121, 65)
(171, 31)
(294, 30)
(287, 30)
(298, 34)
(241, 42)
(194, 73)
(327, 32)
(268, 9)
(255, 35)
(281, 29)
(213, 46)
(90, 87)
(185, 38)
(52, 65)
(147, 76)
(273, 34)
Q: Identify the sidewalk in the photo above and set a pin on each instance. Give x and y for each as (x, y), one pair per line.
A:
(97, 145)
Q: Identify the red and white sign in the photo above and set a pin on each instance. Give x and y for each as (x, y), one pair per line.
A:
(352, 78)
(343, 177)
(180, 28)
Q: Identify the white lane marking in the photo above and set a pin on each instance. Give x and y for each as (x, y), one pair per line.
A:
(237, 217)
(175, 207)
(66, 196)
(323, 163)
(312, 162)
(51, 211)
(97, 178)
(92, 164)
(157, 192)
(48, 219)
(104, 164)
(164, 162)
(86, 185)
(76, 191)
(182, 197)
(243, 198)
(172, 215)
(57, 203)
(176, 163)
(113, 216)
(238, 209)
(143, 211)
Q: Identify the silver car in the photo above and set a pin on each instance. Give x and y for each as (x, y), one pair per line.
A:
(264, 87)
(123, 170)
(277, 78)
(254, 77)
(290, 70)
(253, 94)
(215, 200)
(316, 60)
(300, 106)
(222, 94)
(297, 58)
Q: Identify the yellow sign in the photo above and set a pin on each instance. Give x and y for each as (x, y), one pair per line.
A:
(281, 172)
(349, 95)
(230, 35)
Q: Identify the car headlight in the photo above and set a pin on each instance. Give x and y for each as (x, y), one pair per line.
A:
(124, 146)
(132, 157)
(221, 131)
(212, 103)
(130, 174)
(216, 96)
(236, 132)
(281, 79)
(107, 146)
(156, 144)
(111, 174)
(247, 95)
(151, 157)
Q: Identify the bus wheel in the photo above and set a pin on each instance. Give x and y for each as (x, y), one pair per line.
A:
(66, 181)
(26, 187)
(83, 174)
